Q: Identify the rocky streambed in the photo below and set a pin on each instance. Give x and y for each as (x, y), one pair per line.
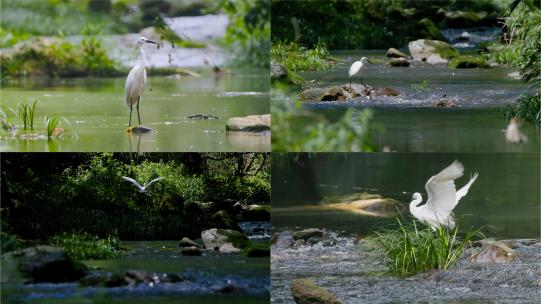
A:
(354, 271)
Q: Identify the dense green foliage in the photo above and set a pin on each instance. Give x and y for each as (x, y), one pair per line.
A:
(61, 58)
(298, 58)
(249, 30)
(86, 192)
(367, 24)
(524, 26)
(347, 134)
(82, 246)
(21, 19)
(411, 249)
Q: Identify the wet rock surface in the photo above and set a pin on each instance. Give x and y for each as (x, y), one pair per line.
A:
(399, 62)
(440, 51)
(345, 92)
(354, 271)
(41, 264)
(307, 292)
(394, 53)
(250, 123)
(215, 238)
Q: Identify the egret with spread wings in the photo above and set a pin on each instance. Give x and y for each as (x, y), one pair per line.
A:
(142, 189)
(442, 197)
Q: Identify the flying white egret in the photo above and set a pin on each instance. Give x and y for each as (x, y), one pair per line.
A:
(442, 197)
(137, 78)
(142, 189)
(513, 134)
(355, 68)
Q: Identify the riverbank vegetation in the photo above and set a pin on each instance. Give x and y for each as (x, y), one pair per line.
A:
(78, 197)
(370, 24)
(44, 37)
(523, 31)
(413, 248)
(298, 58)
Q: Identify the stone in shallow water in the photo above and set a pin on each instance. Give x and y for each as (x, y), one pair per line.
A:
(140, 130)
(201, 116)
(190, 251)
(250, 123)
(495, 252)
(41, 264)
(307, 233)
(307, 292)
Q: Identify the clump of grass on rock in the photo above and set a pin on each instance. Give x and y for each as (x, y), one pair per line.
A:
(415, 247)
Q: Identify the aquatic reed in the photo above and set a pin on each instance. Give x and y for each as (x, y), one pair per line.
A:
(415, 247)
(52, 124)
(26, 114)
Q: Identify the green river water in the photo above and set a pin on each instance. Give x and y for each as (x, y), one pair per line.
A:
(98, 117)
(505, 198)
(410, 122)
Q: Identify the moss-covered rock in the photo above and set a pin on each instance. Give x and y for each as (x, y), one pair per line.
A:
(468, 62)
(214, 238)
(257, 250)
(305, 291)
(394, 53)
(41, 264)
(421, 49)
(280, 73)
(345, 92)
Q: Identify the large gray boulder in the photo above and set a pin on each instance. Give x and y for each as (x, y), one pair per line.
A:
(307, 292)
(41, 264)
(250, 123)
(440, 51)
(215, 238)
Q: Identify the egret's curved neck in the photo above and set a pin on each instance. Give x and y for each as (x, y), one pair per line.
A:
(415, 203)
(142, 56)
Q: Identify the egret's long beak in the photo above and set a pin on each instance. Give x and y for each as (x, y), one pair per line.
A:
(369, 61)
(150, 41)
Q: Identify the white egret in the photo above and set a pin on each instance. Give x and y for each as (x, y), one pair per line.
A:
(356, 69)
(137, 78)
(142, 189)
(442, 197)
(513, 134)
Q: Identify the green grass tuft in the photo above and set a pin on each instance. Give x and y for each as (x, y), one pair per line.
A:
(298, 58)
(26, 114)
(83, 246)
(51, 123)
(411, 249)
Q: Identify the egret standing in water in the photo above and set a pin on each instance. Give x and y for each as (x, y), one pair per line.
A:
(442, 197)
(137, 78)
(356, 69)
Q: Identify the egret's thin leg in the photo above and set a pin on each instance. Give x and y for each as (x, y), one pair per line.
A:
(138, 116)
(349, 83)
(362, 82)
(129, 123)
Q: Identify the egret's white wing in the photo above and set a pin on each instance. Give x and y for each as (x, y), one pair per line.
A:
(154, 180)
(131, 180)
(441, 189)
(355, 67)
(464, 190)
(135, 83)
